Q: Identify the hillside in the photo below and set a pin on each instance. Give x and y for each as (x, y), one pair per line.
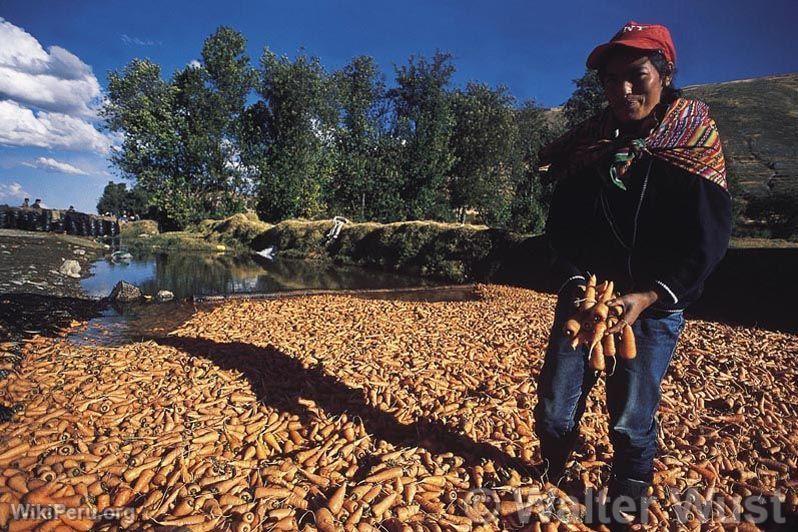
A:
(758, 120)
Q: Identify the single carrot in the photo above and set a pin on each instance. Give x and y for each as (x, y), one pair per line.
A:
(382, 506)
(590, 294)
(609, 344)
(387, 474)
(598, 334)
(325, 522)
(628, 347)
(571, 327)
(15, 451)
(597, 357)
(337, 499)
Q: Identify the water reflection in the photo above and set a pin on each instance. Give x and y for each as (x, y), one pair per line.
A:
(192, 274)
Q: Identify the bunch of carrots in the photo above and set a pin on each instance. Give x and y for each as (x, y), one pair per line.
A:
(593, 319)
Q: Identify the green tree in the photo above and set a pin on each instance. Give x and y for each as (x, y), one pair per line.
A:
(534, 128)
(229, 78)
(296, 120)
(586, 100)
(482, 144)
(182, 138)
(140, 107)
(424, 123)
(118, 200)
(354, 188)
(113, 200)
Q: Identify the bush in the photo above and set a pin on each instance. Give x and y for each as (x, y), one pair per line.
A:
(139, 227)
(449, 252)
(236, 230)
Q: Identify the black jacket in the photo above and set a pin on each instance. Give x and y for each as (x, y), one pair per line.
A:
(666, 232)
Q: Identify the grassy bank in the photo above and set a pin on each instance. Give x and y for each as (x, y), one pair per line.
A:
(231, 234)
(449, 252)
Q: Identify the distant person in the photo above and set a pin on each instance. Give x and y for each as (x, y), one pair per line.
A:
(71, 208)
(37, 204)
(641, 199)
(26, 203)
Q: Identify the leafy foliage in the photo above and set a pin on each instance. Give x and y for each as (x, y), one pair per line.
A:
(586, 100)
(297, 116)
(291, 139)
(118, 200)
(424, 122)
(482, 144)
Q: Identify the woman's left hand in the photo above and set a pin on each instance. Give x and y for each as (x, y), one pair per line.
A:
(633, 305)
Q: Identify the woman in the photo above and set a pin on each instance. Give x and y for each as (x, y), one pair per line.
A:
(641, 200)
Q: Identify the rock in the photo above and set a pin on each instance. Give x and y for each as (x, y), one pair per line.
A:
(267, 253)
(121, 256)
(164, 295)
(145, 235)
(70, 268)
(79, 251)
(125, 292)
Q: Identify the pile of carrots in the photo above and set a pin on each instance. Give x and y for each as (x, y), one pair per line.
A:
(592, 321)
(340, 413)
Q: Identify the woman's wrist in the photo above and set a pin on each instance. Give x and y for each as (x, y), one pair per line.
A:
(650, 297)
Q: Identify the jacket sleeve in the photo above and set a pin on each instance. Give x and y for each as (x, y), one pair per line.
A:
(706, 230)
(563, 235)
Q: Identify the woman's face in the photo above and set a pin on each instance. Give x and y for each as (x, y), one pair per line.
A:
(632, 85)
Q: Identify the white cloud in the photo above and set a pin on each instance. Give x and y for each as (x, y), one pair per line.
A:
(13, 190)
(48, 98)
(194, 64)
(135, 41)
(53, 80)
(51, 165)
(20, 126)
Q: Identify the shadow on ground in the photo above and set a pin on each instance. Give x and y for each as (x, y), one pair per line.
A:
(280, 380)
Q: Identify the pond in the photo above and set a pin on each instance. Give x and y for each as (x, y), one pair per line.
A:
(193, 274)
(196, 276)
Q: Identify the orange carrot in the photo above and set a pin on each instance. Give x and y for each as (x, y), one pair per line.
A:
(337, 499)
(628, 347)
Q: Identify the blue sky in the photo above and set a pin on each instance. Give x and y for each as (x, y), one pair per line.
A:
(55, 56)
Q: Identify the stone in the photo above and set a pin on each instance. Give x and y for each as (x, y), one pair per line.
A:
(79, 252)
(125, 292)
(70, 268)
(121, 256)
(164, 295)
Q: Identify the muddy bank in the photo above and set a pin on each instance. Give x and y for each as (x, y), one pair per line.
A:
(34, 296)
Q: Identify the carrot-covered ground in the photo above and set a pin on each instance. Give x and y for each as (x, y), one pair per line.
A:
(336, 412)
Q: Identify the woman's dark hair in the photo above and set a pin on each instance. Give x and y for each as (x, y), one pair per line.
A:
(669, 92)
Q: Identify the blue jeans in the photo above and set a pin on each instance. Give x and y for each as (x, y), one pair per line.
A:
(633, 393)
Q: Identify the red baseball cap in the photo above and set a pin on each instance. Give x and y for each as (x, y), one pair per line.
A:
(647, 37)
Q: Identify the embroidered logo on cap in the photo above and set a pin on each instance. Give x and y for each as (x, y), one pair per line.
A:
(630, 27)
